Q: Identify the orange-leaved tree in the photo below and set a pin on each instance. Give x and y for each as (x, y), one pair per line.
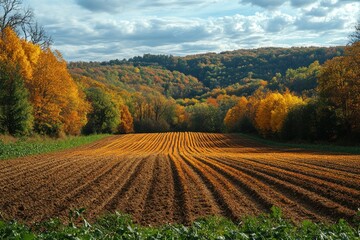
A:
(59, 107)
(13, 54)
(339, 86)
(126, 123)
(15, 109)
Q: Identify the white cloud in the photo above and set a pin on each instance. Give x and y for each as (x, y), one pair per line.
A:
(104, 30)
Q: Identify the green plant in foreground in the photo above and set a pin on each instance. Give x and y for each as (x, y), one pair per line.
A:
(120, 226)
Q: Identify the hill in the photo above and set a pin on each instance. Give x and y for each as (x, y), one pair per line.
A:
(227, 68)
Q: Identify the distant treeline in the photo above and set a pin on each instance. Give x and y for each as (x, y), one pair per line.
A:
(227, 68)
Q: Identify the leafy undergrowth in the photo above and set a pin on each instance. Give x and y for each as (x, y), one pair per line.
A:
(25, 147)
(120, 226)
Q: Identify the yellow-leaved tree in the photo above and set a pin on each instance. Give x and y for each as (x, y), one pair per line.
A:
(272, 111)
(13, 54)
(236, 114)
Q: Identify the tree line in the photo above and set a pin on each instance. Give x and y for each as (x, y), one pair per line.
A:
(227, 68)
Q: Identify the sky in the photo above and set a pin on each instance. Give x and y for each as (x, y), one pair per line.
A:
(100, 30)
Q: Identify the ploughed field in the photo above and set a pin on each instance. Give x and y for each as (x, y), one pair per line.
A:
(178, 177)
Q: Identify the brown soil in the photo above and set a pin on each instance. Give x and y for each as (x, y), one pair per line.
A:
(178, 177)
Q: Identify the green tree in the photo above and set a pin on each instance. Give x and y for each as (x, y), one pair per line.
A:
(205, 118)
(15, 109)
(104, 116)
(303, 78)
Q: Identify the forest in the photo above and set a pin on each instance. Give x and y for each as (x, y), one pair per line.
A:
(301, 93)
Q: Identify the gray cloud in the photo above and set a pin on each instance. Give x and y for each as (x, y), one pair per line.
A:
(276, 24)
(308, 23)
(338, 3)
(102, 5)
(318, 12)
(162, 3)
(301, 3)
(271, 4)
(114, 6)
(264, 3)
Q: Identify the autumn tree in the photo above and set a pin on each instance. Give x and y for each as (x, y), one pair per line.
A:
(152, 111)
(181, 118)
(339, 86)
(58, 105)
(235, 115)
(126, 121)
(12, 52)
(272, 111)
(15, 109)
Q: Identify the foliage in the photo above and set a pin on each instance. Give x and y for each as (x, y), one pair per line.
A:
(15, 110)
(24, 147)
(152, 112)
(204, 118)
(227, 68)
(339, 87)
(272, 111)
(13, 53)
(58, 106)
(235, 115)
(104, 116)
(120, 226)
(303, 78)
(169, 83)
(312, 121)
(126, 121)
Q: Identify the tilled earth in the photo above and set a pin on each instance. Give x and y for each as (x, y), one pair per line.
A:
(178, 177)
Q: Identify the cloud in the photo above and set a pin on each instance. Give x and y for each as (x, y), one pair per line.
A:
(103, 30)
(115, 6)
(264, 3)
(318, 12)
(110, 6)
(277, 23)
(162, 3)
(319, 25)
(301, 3)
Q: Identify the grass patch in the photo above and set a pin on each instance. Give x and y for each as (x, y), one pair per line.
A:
(24, 147)
(324, 147)
(120, 226)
